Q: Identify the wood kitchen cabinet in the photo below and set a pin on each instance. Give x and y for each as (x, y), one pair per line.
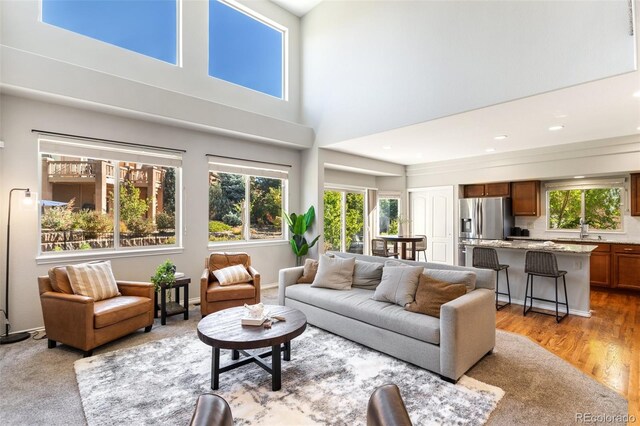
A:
(525, 198)
(497, 189)
(601, 266)
(635, 194)
(626, 266)
(474, 191)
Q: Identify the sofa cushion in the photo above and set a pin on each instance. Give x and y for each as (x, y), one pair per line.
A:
(399, 284)
(367, 274)
(116, 309)
(93, 280)
(335, 273)
(218, 293)
(357, 304)
(467, 278)
(309, 272)
(234, 274)
(432, 294)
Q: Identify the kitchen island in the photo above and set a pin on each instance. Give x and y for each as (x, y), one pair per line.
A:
(573, 258)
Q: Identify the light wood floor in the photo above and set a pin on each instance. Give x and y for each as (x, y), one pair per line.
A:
(605, 346)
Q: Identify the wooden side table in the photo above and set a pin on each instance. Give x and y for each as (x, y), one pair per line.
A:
(172, 308)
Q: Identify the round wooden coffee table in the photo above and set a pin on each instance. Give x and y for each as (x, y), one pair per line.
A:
(223, 330)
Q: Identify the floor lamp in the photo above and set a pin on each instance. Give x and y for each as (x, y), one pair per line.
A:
(15, 337)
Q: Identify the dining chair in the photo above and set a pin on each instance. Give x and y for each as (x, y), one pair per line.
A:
(379, 248)
(421, 246)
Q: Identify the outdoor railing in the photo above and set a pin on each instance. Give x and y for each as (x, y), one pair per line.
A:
(88, 169)
(71, 168)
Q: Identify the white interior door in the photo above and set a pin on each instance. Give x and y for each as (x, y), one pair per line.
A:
(432, 215)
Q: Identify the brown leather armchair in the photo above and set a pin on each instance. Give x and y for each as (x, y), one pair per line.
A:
(82, 323)
(386, 408)
(214, 297)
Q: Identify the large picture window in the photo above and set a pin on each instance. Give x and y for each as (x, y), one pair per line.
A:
(149, 27)
(597, 204)
(245, 49)
(94, 200)
(344, 221)
(243, 206)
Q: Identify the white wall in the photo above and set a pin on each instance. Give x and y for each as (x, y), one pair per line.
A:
(370, 66)
(348, 179)
(20, 165)
(43, 58)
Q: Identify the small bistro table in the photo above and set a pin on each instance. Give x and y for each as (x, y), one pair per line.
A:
(173, 308)
(403, 240)
(223, 330)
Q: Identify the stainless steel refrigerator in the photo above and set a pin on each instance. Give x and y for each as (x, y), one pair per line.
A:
(483, 219)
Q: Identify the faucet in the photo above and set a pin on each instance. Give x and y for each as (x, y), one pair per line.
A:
(584, 229)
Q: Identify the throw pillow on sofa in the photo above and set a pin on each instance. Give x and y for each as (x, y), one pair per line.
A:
(309, 272)
(467, 278)
(235, 274)
(367, 275)
(398, 284)
(94, 280)
(432, 294)
(334, 272)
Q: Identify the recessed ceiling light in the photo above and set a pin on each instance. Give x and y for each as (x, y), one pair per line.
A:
(386, 147)
(578, 177)
(500, 137)
(638, 128)
(560, 115)
(490, 150)
(637, 94)
(556, 128)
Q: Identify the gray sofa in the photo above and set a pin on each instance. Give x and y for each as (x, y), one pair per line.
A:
(448, 346)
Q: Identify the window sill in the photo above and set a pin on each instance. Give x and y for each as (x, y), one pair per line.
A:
(216, 246)
(45, 259)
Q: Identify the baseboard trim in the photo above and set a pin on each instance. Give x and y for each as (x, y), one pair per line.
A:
(546, 306)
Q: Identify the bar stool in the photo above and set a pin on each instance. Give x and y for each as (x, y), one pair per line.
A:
(487, 258)
(544, 264)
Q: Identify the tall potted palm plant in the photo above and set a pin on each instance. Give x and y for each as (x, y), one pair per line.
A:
(298, 226)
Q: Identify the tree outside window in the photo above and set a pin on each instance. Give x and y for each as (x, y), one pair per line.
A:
(599, 207)
(243, 207)
(350, 206)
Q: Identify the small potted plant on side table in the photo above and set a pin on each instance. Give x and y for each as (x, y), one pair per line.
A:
(163, 280)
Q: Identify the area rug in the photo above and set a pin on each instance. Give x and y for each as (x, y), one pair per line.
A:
(328, 381)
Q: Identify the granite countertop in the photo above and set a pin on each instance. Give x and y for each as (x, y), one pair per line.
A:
(529, 245)
(576, 240)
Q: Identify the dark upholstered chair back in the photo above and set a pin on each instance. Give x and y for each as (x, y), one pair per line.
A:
(386, 408)
(541, 263)
(485, 257)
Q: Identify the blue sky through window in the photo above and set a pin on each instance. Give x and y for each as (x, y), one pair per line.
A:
(148, 27)
(244, 51)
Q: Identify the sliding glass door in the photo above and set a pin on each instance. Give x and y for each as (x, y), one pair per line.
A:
(344, 220)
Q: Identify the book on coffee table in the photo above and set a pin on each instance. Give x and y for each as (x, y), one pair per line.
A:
(253, 321)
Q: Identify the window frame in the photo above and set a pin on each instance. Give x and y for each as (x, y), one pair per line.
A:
(582, 185)
(243, 170)
(67, 145)
(269, 23)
